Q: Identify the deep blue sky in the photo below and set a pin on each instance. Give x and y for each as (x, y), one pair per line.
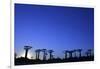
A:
(53, 27)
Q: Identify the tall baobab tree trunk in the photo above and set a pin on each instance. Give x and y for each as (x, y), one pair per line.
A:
(26, 50)
(44, 54)
(65, 55)
(70, 54)
(50, 54)
(80, 54)
(26, 53)
(79, 50)
(44, 57)
(87, 54)
(36, 54)
(75, 53)
(90, 52)
(66, 52)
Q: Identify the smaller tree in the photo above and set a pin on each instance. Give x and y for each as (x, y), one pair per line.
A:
(75, 53)
(50, 54)
(65, 53)
(79, 50)
(38, 53)
(70, 53)
(44, 53)
(89, 52)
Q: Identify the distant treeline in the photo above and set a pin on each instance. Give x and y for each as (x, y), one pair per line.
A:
(69, 56)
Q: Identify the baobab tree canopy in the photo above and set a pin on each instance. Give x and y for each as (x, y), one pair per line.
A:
(27, 47)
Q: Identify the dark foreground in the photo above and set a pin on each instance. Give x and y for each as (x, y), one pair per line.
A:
(24, 61)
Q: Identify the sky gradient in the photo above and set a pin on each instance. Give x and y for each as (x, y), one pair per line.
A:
(53, 27)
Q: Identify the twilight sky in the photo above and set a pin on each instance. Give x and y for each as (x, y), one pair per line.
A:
(53, 27)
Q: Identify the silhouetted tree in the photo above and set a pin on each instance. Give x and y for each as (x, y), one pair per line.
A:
(70, 53)
(38, 53)
(75, 51)
(89, 52)
(79, 50)
(26, 50)
(65, 53)
(44, 53)
(50, 54)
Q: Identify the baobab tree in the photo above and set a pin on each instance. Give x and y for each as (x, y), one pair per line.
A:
(50, 54)
(75, 53)
(44, 53)
(89, 52)
(38, 53)
(71, 53)
(26, 50)
(79, 50)
(65, 53)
